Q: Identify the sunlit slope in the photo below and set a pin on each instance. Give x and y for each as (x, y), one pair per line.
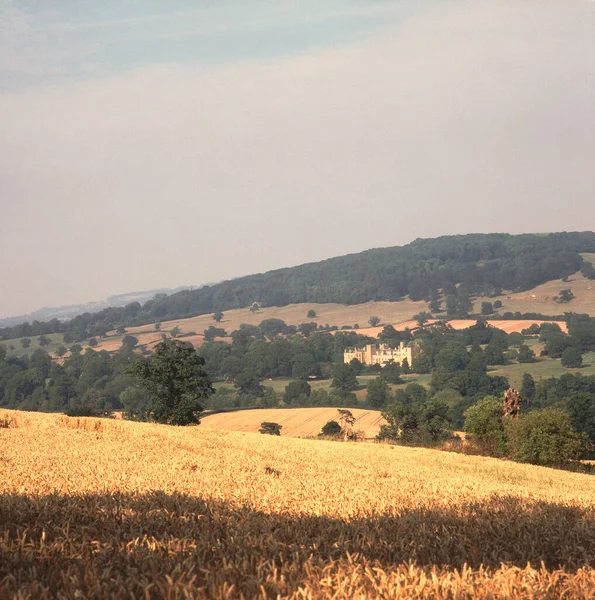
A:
(296, 422)
(98, 509)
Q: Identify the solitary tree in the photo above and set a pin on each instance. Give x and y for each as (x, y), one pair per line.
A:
(175, 332)
(311, 314)
(157, 326)
(218, 316)
(565, 296)
(25, 342)
(487, 308)
(254, 308)
(93, 342)
(175, 381)
(44, 340)
(61, 350)
(374, 321)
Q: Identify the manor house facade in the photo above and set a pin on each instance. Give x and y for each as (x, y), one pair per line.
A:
(380, 354)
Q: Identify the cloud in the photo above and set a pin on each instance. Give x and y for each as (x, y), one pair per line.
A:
(476, 116)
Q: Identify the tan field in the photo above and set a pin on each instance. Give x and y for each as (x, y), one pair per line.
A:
(113, 509)
(540, 299)
(296, 422)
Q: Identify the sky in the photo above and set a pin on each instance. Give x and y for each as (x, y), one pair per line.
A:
(163, 143)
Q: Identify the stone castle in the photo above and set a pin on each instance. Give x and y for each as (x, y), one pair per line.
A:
(380, 354)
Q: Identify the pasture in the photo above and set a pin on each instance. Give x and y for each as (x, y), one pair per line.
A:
(101, 508)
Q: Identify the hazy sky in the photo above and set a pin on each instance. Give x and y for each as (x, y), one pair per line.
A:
(157, 143)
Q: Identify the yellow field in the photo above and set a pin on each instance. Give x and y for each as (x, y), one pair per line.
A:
(113, 509)
(297, 422)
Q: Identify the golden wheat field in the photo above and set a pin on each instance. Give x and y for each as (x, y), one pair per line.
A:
(296, 422)
(112, 509)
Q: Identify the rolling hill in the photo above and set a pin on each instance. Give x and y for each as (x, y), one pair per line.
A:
(481, 264)
(117, 509)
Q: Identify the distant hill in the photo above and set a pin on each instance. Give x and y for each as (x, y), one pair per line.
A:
(461, 265)
(47, 313)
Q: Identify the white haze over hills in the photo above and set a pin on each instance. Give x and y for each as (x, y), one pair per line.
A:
(47, 313)
(144, 144)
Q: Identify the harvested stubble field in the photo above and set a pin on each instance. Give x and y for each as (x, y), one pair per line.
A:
(98, 509)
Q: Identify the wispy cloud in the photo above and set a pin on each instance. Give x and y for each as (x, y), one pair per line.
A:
(71, 40)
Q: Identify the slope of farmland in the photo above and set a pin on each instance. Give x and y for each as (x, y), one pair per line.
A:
(296, 422)
(119, 509)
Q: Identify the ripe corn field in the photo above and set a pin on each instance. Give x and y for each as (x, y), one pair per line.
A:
(101, 508)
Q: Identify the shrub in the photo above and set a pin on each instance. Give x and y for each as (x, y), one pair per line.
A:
(545, 437)
(483, 421)
(331, 429)
(270, 428)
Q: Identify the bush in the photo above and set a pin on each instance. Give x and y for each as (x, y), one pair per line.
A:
(483, 421)
(545, 437)
(270, 428)
(331, 429)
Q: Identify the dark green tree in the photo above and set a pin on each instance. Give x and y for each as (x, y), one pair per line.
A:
(44, 340)
(311, 314)
(269, 428)
(295, 389)
(565, 296)
(331, 429)
(218, 316)
(528, 387)
(378, 392)
(93, 342)
(344, 380)
(572, 358)
(175, 381)
(374, 321)
(483, 421)
(526, 355)
(25, 342)
(487, 308)
(545, 437)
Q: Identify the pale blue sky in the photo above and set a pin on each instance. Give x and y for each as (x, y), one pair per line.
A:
(66, 39)
(153, 144)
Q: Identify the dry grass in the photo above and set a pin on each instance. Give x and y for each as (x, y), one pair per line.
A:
(540, 299)
(135, 510)
(297, 422)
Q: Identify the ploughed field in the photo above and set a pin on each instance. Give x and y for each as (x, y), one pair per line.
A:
(296, 422)
(101, 508)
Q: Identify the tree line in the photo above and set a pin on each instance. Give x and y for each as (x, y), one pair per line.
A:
(444, 271)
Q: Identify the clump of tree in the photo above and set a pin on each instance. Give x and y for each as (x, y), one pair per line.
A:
(546, 437)
(417, 423)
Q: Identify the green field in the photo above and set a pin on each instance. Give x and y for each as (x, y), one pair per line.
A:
(542, 369)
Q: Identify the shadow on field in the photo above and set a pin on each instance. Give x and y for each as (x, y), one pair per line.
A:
(58, 541)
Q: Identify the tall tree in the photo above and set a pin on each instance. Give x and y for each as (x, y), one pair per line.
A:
(175, 381)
